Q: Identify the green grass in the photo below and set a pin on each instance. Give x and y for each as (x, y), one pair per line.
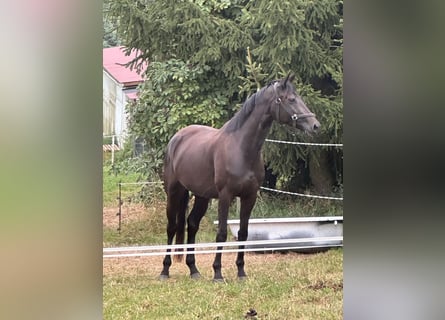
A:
(290, 286)
(271, 206)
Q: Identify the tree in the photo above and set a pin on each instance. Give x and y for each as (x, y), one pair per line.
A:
(109, 31)
(201, 69)
(177, 95)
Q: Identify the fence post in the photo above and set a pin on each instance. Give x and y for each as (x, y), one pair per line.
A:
(119, 198)
(112, 149)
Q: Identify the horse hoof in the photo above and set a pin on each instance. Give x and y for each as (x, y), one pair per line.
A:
(195, 276)
(242, 278)
(218, 280)
(163, 277)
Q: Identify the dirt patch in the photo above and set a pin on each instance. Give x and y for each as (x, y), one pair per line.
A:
(132, 212)
(320, 284)
(151, 266)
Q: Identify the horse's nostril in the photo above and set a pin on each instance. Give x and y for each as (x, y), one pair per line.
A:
(316, 126)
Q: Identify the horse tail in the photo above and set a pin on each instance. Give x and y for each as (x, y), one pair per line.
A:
(180, 224)
(168, 173)
(166, 169)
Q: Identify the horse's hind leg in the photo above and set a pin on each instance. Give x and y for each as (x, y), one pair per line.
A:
(199, 209)
(175, 202)
(246, 208)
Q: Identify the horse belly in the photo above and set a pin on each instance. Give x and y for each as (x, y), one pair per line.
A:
(197, 177)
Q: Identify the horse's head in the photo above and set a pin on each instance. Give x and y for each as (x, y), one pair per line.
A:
(288, 107)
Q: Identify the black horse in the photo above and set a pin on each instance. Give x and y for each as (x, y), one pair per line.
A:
(225, 163)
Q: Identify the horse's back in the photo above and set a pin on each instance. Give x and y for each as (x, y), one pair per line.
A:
(189, 137)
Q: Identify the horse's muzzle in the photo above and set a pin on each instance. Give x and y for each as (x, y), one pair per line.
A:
(316, 125)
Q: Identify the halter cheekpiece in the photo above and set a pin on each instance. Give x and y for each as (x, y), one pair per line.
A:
(294, 116)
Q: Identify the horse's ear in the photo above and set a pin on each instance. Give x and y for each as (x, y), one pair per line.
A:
(290, 77)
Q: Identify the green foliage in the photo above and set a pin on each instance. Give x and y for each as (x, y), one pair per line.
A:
(110, 38)
(178, 94)
(255, 77)
(303, 36)
(201, 32)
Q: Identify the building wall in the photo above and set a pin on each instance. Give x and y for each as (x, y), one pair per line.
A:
(120, 118)
(109, 104)
(114, 113)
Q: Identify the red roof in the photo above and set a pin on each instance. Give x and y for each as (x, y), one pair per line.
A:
(113, 61)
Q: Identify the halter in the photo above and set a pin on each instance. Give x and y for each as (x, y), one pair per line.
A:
(293, 116)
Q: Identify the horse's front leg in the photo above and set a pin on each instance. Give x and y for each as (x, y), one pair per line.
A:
(221, 236)
(198, 211)
(247, 204)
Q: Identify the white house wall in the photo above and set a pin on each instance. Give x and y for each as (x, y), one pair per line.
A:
(120, 118)
(114, 113)
(109, 104)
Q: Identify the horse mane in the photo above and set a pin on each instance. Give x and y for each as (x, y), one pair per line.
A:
(241, 116)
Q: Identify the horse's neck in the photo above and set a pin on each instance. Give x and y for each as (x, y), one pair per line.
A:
(254, 131)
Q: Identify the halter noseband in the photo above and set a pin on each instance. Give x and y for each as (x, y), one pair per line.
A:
(293, 116)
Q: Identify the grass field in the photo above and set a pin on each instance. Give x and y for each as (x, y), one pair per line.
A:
(280, 286)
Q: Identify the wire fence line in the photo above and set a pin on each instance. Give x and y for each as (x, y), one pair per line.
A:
(139, 183)
(263, 188)
(337, 145)
(301, 194)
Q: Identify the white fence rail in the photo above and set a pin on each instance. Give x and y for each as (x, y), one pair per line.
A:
(161, 250)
